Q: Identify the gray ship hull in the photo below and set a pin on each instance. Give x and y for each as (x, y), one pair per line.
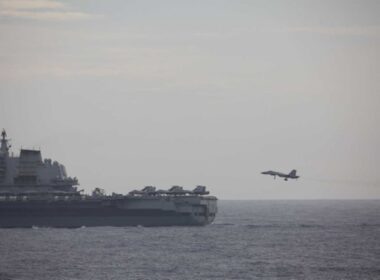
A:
(83, 221)
(182, 211)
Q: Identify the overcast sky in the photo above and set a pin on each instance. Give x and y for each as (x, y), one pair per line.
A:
(133, 93)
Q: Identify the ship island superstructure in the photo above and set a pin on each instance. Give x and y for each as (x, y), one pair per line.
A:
(38, 192)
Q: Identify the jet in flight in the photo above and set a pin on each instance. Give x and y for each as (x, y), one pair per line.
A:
(291, 175)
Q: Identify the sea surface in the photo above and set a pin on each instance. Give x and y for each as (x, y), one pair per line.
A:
(248, 240)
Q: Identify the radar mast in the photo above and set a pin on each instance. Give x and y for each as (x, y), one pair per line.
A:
(4, 142)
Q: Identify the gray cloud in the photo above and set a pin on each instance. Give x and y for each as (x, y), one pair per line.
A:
(336, 31)
(41, 10)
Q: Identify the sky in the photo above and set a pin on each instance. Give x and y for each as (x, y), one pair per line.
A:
(130, 93)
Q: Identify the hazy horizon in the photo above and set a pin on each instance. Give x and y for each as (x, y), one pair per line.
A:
(133, 93)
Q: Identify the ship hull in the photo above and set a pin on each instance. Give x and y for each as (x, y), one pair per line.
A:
(125, 212)
(83, 221)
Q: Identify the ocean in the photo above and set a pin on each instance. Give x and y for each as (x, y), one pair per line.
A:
(321, 239)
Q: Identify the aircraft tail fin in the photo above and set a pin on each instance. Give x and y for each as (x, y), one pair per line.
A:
(293, 173)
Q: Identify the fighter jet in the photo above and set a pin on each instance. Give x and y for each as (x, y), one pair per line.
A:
(291, 175)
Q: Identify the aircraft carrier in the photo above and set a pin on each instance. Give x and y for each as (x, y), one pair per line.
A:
(37, 192)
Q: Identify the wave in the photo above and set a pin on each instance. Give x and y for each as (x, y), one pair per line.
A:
(301, 225)
(223, 224)
(369, 225)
